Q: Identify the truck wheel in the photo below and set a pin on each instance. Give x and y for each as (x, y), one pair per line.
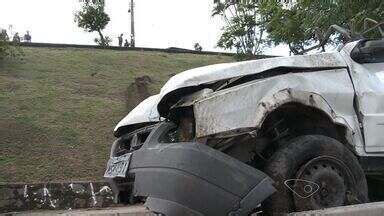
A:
(314, 172)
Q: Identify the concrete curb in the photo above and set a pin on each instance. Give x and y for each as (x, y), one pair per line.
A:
(368, 209)
(122, 211)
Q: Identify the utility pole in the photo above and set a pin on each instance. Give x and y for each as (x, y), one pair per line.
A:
(132, 11)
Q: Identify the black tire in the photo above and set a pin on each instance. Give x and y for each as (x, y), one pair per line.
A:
(301, 153)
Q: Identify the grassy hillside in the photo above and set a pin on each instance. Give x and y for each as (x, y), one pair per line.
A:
(58, 107)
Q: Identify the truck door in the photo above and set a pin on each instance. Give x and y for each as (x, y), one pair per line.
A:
(366, 62)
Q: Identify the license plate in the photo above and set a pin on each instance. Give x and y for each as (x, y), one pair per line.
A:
(118, 166)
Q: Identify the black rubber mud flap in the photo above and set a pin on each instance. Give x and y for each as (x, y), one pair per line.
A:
(194, 179)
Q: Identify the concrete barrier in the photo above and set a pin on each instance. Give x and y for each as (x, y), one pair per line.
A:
(55, 196)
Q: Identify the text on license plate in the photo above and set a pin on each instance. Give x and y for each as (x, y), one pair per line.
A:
(118, 166)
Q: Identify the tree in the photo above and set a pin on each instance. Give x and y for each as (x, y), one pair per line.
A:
(4, 48)
(243, 30)
(7, 48)
(307, 21)
(197, 47)
(93, 18)
(252, 25)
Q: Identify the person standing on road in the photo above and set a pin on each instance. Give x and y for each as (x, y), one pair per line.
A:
(28, 37)
(16, 38)
(4, 35)
(120, 40)
(126, 44)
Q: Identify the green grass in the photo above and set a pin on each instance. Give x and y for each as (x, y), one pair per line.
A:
(58, 107)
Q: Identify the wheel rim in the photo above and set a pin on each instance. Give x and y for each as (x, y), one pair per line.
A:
(325, 181)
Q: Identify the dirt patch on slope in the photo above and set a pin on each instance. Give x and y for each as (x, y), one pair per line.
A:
(138, 91)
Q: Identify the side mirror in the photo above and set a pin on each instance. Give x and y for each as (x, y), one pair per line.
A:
(368, 51)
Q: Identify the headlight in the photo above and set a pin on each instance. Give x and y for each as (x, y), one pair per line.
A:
(131, 141)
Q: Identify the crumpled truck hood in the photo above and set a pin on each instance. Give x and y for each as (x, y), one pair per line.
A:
(213, 73)
(148, 110)
(145, 112)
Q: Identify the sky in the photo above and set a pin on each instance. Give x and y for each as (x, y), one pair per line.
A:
(158, 24)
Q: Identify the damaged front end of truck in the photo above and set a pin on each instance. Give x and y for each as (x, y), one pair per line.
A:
(161, 162)
(192, 149)
(202, 145)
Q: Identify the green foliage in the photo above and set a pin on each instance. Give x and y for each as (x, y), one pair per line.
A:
(346, 13)
(251, 24)
(297, 26)
(92, 18)
(8, 49)
(3, 49)
(243, 30)
(103, 42)
(197, 47)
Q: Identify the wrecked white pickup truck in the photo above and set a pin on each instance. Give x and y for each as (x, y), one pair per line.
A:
(285, 133)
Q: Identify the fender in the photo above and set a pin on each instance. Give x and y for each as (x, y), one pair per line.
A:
(268, 104)
(243, 109)
(310, 99)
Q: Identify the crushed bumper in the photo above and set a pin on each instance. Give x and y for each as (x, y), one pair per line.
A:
(194, 179)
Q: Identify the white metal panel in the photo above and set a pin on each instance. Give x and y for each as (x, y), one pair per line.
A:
(238, 107)
(369, 83)
(145, 112)
(213, 73)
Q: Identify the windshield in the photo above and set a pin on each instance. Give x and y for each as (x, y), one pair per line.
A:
(369, 51)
